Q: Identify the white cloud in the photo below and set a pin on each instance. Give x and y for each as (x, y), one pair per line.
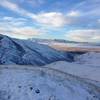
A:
(29, 31)
(22, 32)
(16, 27)
(10, 5)
(54, 19)
(98, 20)
(73, 13)
(8, 18)
(12, 22)
(84, 35)
(14, 7)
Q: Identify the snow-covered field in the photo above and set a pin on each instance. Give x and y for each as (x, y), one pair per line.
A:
(39, 83)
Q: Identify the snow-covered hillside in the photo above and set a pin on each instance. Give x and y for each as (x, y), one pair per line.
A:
(80, 70)
(86, 65)
(25, 52)
(90, 58)
(36, 83)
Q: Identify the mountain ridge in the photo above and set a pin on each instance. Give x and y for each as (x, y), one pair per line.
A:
(25, 52)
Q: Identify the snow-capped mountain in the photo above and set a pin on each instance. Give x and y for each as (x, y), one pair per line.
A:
(25, 52)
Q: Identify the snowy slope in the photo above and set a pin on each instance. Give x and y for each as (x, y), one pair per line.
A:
(24, 52)
(83, 71)
(90, 58)
(36, 83)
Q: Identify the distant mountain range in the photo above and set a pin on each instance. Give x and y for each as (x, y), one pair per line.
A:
(46, 41)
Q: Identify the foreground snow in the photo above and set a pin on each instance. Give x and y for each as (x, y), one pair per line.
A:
(36, 83)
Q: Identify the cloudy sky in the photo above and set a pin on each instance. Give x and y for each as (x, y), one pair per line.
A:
(75, 20)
